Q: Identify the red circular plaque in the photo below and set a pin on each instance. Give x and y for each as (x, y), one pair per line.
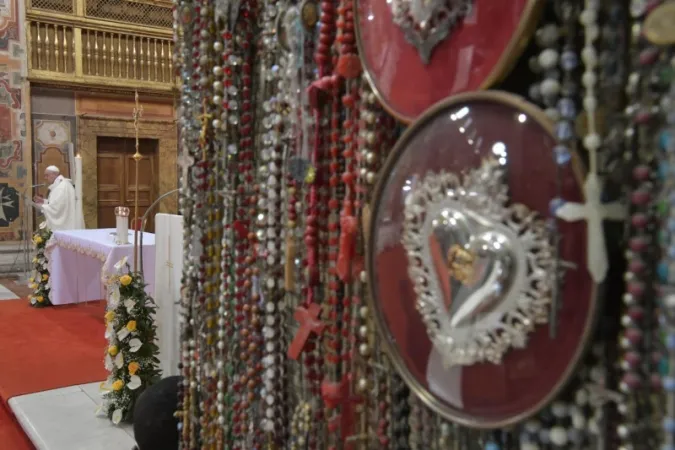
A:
(457, 136)
(476, 53)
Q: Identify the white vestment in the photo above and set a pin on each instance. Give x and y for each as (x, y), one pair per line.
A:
(61, 209)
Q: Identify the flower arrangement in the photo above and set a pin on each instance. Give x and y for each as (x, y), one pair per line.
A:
(131, 355)
(39, 281)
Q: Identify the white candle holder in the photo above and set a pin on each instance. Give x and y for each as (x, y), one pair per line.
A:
(122, 222)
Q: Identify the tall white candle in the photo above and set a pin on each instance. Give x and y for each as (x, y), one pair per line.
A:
(78, 179)
(122, 222)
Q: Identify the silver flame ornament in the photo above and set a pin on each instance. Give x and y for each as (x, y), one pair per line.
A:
(426, 23)
(483, 270)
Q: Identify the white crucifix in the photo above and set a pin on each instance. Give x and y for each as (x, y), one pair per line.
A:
(185, 161)
(594, 212)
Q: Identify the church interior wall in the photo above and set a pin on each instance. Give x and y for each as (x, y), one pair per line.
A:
(15, 160)
(90, 127)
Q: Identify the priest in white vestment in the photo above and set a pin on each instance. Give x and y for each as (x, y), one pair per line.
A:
(61, 208)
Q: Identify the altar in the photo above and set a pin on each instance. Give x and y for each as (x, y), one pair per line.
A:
(80, 261)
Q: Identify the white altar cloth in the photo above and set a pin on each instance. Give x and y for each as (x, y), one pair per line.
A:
(79, 261)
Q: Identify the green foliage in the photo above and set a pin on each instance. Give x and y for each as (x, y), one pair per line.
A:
(130, 323)
(40, 279)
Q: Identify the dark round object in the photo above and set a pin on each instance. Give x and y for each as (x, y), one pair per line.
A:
(155, 426)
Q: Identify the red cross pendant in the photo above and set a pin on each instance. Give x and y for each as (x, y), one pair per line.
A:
(309, 321)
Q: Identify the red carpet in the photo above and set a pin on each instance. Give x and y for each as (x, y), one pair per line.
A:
(43, 349)
(11, 435)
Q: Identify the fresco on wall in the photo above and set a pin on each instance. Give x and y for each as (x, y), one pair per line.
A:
(51, 138)
(15, 163)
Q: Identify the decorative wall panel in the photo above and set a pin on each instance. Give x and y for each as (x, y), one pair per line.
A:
(15, 162)
(51, 137)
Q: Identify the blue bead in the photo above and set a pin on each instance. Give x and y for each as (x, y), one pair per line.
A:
(569, 60)
(562, 155)
(491, 446)
(662, 271)
(668, 384)
(555, 204)
(671, 252)
(670, 341)
(566, 108)
(669, 424)
(180, 426)
(564, 130)
(664, 170)
(663, 367)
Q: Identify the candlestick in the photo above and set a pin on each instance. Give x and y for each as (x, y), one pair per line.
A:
(137, 113)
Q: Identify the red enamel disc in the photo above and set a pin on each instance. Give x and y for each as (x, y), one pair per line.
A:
(456, 136)
(477, 52)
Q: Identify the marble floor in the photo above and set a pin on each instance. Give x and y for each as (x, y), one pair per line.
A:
(6, 294)
(65, 419)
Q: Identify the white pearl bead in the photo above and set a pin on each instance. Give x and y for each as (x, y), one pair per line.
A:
(588, 17)
(589, 56)
(558, 436)
(593, 426)
(550, 87)
(532, 426)
(623, 431)
(590, 103)
(548, 59)
(559, 409)
(581, 397)
(553, 114)
(578, 421)
(592, 141)
(589, 79)
(529, 446)
(592, 32)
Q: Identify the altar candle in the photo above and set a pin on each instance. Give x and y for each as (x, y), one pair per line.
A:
(78, 179)
(122, 222)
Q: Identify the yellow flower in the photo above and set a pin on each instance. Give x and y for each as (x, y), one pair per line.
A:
(45, 277)
(33, 286)
(35, 260)
(40, 299)
(133, 367)
(125, 280)
(109, 316)
(31, 279)
(37, 240)
(118, 385)
(113, 350)
(131, 325)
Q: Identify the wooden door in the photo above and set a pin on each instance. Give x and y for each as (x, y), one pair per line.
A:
(117, 178)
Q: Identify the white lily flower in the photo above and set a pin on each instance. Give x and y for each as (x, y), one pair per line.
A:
(100, 411)
(134, 383)
(114, 296)
(123, 333)
(108, 363)
(119, 360)
(129, 305)
(121, 264)
(117, 416)
(135, 345)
